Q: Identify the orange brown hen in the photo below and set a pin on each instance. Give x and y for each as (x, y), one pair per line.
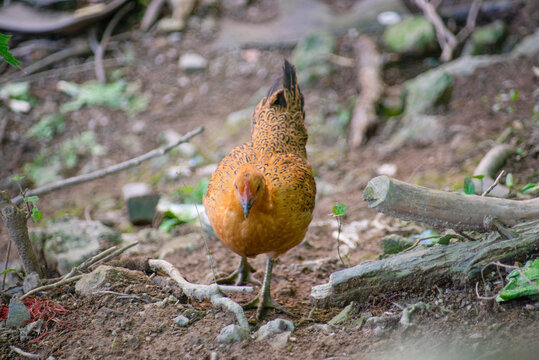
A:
(261, 197)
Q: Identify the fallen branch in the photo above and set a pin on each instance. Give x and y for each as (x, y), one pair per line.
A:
(445, 209)
(99, 68)
(370, 81)
(24, 353)
(151, 14)
(447, 40)
(212, 292)
(70, 277)
(422, 268)
(15, 221)
(109, 170)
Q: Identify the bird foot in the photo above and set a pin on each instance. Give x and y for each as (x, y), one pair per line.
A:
(242, 275)
(266, 303)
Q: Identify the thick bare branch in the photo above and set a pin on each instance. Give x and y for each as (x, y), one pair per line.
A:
(15, 221)
(445, 209)
(370, 81)
(419, 269)
(212, 292)
(109, 170)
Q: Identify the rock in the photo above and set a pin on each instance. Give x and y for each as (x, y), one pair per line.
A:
(311, 57)
(192, 62)
(344, 315)
(31, 328)
(321, 327)
(426, 91)
(69, 241)
(181, 320)
(273, 327)
(380, 331)
(406, 313)
(417, 129)
(19, 106)
(279, 341)
(388, 18)
(232, 333)
(414, 35)
(18, 314)
(488, 38)
(141, 203)
(174, 173)
(387, 169)
(31, 281)
(104, 277)
(529, 46)
(132, 341)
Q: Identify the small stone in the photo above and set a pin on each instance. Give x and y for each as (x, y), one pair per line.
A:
(529, 307)
(379, 331)
(213, 356)
(232, 333)
(181, 320)
(141, 203)
(174, 37)
(102, 278)
(132, 341)
(387, 169)
(280, 340)
(192, 62)
(33, 327)
(415, 35)
(18, 314)
(321, 327)
(273, 327)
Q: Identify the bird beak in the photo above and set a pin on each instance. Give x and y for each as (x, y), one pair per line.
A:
(246, 204)
(246, 201)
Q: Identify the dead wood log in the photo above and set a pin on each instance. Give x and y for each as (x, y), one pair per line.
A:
(445, 209)
(212, 292)
(370, 81)
(419, 269)
(15, 221)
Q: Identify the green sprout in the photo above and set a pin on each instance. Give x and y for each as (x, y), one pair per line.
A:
(339, 210)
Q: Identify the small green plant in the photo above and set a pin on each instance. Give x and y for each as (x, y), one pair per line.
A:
(506, 101)
(36, 214)
(530, 188)
(4, 51)
(469, 186)
(339, 210)
(192, 194)
(509, 181)
(47, 127)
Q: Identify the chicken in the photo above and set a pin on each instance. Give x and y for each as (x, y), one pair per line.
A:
(261, 197)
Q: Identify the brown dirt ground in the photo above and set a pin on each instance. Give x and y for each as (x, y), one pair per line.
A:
(456, 324)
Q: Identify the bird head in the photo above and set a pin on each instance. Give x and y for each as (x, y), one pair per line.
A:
(249, 187)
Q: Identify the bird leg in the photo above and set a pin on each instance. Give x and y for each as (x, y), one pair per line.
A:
(242, 275)
(263, 299)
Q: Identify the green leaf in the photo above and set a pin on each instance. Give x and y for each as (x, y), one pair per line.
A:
(513, 95)
(469, 187)
(4, 51)
(32, 199)
(521, 283)
(6, 271)
(36, 214)
(169, 223)
(478, 177)
(17, 178)
(509, 181)
(339, 209)
(530, 188)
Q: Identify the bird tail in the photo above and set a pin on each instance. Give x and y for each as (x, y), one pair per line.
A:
(288, 96)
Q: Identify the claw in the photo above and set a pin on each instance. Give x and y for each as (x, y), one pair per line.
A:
(263, 300)
(242, 275)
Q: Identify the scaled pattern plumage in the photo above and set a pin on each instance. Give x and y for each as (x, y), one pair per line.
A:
(273, 167)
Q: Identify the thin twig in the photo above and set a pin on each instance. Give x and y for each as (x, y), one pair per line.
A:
(99, 69)
(24, 353)
(339, 225)
(470, 21)
(51, 286)
(114, 254)
(493, 184)
(212, 292)
(109, 170)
